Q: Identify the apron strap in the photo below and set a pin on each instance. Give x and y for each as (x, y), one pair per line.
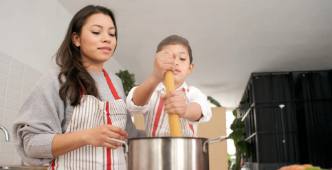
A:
(110, 84)
(81, 92)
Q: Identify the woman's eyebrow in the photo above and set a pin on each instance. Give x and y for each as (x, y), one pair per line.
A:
(101, 26)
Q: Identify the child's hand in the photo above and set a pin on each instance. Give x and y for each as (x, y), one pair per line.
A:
(163, 62)
(175, 103)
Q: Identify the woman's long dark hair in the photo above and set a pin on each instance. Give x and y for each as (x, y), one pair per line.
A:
(68, 57)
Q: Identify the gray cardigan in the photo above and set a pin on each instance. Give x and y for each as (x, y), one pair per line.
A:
(44, 115)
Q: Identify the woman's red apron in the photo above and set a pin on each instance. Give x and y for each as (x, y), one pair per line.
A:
(89, 114)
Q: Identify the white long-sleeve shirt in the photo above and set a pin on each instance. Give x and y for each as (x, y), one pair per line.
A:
(156, 121)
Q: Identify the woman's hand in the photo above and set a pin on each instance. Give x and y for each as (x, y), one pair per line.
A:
(163, 62)
(64, 143)
(97, 136)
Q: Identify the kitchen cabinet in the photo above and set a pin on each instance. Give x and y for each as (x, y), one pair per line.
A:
(300, 132)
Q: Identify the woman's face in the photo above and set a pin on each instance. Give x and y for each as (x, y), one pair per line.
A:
(97, 41)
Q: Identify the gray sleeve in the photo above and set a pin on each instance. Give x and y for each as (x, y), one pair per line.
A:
(39, 121)
(130, 126)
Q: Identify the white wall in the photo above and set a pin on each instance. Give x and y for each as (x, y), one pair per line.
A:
(30, 33)
(17, 79)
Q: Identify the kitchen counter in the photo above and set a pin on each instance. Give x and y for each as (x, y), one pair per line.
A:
(23, 167)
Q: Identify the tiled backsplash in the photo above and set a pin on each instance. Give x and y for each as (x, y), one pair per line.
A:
(16, 81)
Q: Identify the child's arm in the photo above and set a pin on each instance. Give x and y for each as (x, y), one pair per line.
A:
(175, 103)
(164, 61)
(193, 112)
(132, 107)
(197, 111)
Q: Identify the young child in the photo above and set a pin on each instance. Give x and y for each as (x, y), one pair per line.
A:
(173, 53)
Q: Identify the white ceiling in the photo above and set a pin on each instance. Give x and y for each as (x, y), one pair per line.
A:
(230, 39)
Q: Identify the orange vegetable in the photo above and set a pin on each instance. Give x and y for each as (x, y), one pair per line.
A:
(307, 165)
(296, 167)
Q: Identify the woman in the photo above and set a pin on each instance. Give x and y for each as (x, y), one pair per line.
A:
(72, 111)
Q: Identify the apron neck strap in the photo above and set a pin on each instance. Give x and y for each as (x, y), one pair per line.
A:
(110, 84)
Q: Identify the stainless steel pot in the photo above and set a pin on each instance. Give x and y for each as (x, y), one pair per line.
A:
(168, 153)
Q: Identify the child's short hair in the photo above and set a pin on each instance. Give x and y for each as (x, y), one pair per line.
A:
(175, 40)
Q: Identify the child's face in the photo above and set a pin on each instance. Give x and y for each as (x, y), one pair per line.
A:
(97, 40)
(182, 63)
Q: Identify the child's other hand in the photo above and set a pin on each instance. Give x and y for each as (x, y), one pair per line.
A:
(175, 103)
(163, 62)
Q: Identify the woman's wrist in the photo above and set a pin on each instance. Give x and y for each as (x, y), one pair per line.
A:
(84, 136)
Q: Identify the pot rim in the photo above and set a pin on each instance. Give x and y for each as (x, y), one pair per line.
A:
(206, 142)
(152, 138)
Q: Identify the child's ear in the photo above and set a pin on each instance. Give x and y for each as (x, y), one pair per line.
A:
(191, 67)
(76, 39)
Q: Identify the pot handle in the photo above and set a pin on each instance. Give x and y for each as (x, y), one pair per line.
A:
(120, 141)
(210, 141)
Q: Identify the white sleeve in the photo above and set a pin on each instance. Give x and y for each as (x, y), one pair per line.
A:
(198, 97)
(134, 109)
